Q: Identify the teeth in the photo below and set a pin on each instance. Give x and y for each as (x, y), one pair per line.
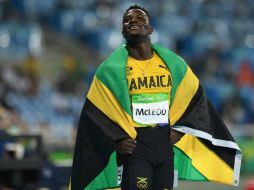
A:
(134, 27)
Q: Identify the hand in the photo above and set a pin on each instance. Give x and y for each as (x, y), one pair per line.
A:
(175, 136)
(126, 146)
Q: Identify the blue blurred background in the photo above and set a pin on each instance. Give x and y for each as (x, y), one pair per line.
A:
(50, 49)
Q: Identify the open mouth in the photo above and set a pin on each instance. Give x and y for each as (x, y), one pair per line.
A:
(134, 27)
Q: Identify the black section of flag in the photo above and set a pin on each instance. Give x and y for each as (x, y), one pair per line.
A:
(200, 115)
(223, 152)
(95, 143)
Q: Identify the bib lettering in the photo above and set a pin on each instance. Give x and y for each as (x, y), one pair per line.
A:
(150, 108)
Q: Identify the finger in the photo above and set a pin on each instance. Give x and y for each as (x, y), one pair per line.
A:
(125, 149)
(125, 152)
(131, 146)
(131, 142)
(131, 149)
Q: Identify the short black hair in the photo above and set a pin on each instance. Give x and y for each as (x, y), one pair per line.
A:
(137, 7)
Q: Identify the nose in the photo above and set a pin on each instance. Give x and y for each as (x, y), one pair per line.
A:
(133, 20)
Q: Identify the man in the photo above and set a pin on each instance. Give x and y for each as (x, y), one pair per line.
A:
(148, 159)
(138, 94)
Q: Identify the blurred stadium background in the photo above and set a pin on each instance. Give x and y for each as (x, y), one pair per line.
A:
(49, 50)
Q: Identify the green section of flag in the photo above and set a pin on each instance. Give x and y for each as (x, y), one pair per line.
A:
(182, 163)
(113, 75)
(107, 178)
(176, 65)
(149, 98)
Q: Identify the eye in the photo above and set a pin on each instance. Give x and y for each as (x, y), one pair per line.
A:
(126, 19)
(142, 18)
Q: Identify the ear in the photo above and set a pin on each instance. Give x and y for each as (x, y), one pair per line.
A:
(150, 30)
(123, 32)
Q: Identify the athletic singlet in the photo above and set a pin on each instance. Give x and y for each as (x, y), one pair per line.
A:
(149, 84)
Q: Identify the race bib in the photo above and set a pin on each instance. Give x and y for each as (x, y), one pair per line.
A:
(150, 108)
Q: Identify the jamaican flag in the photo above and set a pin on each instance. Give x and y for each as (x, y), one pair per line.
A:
(207, 151)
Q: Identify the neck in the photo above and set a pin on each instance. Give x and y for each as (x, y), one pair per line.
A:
(140, 49)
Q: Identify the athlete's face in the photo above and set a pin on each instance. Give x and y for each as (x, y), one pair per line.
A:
(136, 23)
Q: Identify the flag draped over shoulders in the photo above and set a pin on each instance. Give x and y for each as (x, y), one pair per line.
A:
(207, 151)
